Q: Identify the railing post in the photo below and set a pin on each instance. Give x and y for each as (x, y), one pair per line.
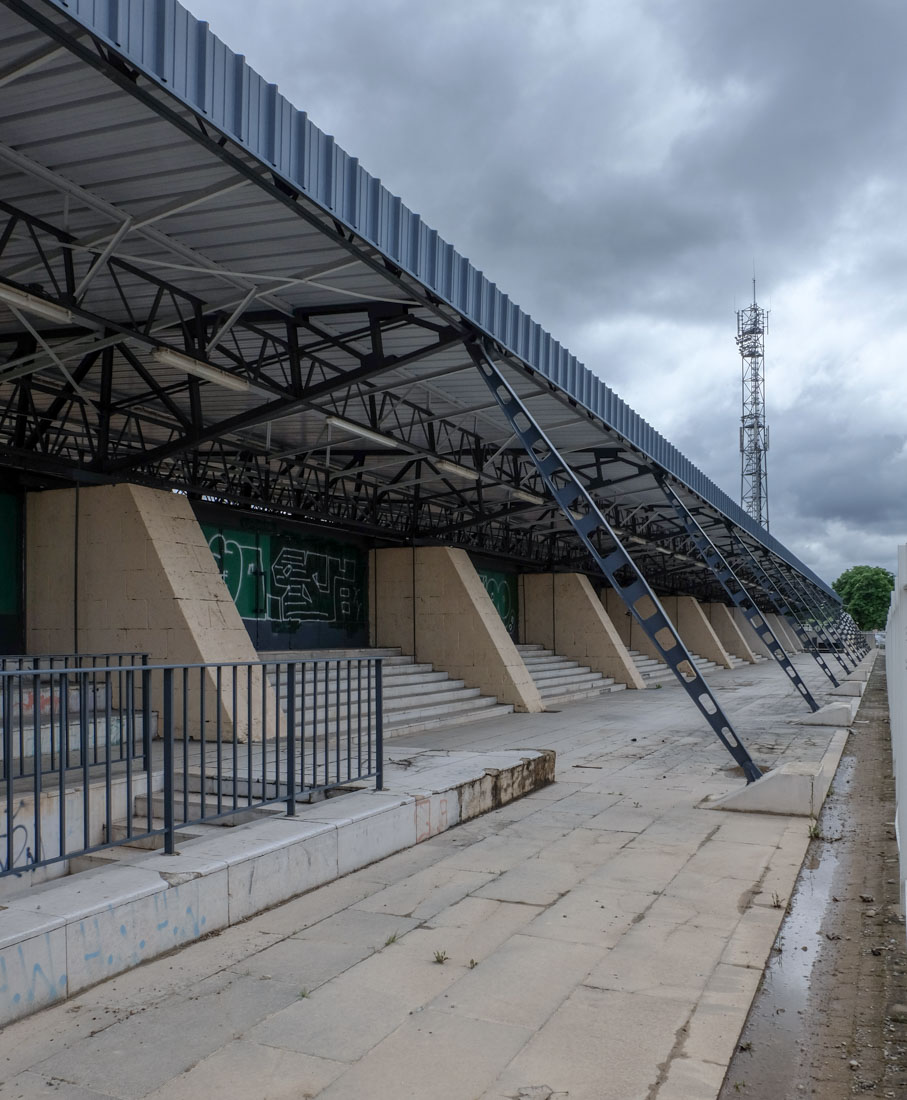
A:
(8, 768)
(291, 738)
(169, 838)
(146, 714)
(379, 726)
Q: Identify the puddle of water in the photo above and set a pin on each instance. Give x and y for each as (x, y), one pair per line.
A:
(778, 1020)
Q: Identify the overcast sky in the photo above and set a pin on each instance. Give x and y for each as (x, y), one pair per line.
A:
(619, 166)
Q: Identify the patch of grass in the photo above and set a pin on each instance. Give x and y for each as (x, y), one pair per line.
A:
(392, 938)
(814, 832)
(441, 957)
(777, 900)
(303, 993)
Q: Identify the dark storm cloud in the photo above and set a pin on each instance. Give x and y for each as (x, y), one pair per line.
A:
(618, 167)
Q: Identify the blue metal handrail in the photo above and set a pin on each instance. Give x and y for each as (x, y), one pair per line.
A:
(247, 734)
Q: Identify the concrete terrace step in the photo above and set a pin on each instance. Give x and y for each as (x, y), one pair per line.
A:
(562, 680)
(416, 696)
(479, 703)
(447, 720)
(395, 706)
(392, 689)
(573, 669)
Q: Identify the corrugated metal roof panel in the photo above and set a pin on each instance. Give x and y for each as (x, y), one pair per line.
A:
(163, 40)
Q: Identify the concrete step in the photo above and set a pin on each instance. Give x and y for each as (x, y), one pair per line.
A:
(450, 698)
(562, 680)
(545, 664)
(392, 690)
(572, 669)
(416, 696)
(587, 679)
(388, 652)
(578, 696)
(461, 718)
(418, 714)
(194, 806)
(119, 830)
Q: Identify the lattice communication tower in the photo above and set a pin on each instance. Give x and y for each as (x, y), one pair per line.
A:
(751, 329)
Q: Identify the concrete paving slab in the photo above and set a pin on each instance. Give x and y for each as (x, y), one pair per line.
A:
(341, 1022)
(592, 914)
(523, 983)
(125, 1060)
(599, 1044)
(244, 1068)
(32, 1086)
(673, 961)
(458, 1055)
(718, 1018)
(690, 1079)
(644, 932)
(534, 882)
(468, 931)
(426, 893)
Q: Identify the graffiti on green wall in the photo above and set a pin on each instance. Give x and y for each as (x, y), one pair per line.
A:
(504, 591)
(287, 580)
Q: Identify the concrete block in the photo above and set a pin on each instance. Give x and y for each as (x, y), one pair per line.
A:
(849, 688)
(797, 788)
(832, 714)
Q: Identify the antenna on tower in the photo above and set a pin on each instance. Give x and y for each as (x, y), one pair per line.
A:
(751, 329)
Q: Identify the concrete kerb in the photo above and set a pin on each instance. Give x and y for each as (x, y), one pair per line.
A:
(63, 936)
(795, 789)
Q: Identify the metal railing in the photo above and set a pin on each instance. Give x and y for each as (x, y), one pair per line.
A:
(37, 661)
(896, 674)
(124, 753)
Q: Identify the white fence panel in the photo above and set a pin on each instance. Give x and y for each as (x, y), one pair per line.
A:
(896, 667)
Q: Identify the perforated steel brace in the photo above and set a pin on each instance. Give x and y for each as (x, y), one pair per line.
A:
(781, 606)
(580, 509)
(734, 587)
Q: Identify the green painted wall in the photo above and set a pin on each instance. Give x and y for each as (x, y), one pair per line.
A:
(504, 591)
(11, 639)
(293, 591)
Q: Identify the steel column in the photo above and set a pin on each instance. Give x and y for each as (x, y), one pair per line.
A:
(585, 518)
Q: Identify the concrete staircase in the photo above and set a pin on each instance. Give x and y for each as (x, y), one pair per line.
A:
(656, 672)
(417, 697)
(561, 680)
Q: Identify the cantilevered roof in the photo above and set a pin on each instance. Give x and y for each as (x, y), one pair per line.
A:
(160, 200)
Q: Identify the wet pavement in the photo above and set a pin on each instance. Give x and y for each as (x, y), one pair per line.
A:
(821, 1022)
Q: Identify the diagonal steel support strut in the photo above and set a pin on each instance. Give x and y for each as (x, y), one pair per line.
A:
(835, 643)
(781, 606)
(734, 587)
(580, 509)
